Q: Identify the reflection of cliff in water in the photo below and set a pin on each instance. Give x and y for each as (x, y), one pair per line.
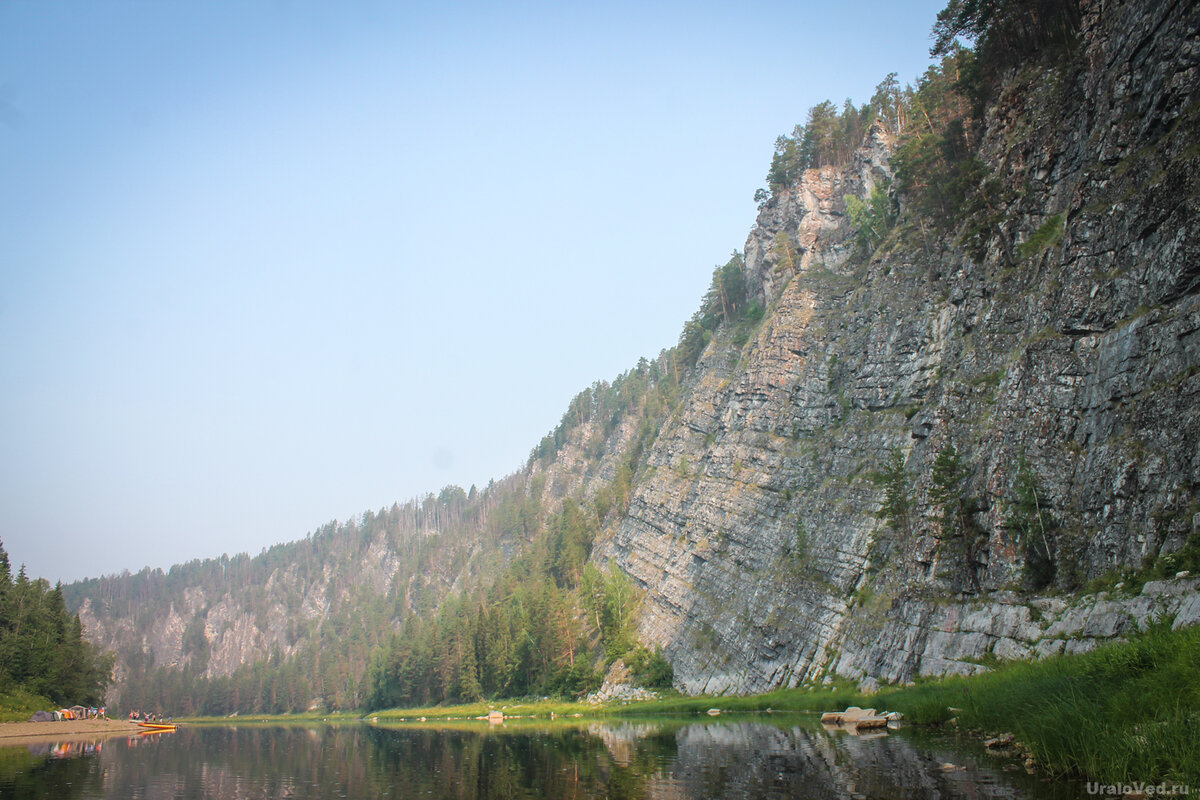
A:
(622, 740)
(672, 761)
(748, 760)
(556, 762)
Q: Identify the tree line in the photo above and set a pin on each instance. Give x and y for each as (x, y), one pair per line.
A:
(548, 626)
(938, 123)
(552, 621)
(829, 136)
(42, 649)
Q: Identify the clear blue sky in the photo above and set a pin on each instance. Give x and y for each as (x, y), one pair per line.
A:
(268, 264)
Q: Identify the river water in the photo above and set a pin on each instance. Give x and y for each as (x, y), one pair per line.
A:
(772, 757)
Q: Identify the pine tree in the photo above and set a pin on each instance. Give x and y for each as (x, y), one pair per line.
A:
(946, 490)
(896, 492)
(42, 648)
(1030, 526)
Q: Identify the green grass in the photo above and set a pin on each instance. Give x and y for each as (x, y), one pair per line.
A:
(821, 698)
(1129, 711)
(17, 704)
(307, 716)
(1045, 237)
(807, 699)
(987, 379)
(1125, 712)
(510, 708)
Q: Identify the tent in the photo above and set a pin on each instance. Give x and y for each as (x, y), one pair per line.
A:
(42, 716)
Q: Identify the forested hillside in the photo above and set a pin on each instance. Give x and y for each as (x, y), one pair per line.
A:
(295, 625)
(945, 394)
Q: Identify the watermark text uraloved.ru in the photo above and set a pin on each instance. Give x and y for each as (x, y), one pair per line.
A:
(1139, 788)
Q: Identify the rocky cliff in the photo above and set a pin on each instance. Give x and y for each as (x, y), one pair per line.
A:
(1065, 336)
(1048, 338)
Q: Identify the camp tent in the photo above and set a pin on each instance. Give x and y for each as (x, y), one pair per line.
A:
(42, 716)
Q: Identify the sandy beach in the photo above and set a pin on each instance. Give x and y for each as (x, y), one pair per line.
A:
(20, 733)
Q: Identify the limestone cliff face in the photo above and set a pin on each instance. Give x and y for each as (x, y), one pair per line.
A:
(754, 531)
(1067, 334)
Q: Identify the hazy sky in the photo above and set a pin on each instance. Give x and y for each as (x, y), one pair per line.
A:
(269, 264)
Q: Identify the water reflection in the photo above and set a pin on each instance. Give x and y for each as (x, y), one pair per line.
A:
(674, 759)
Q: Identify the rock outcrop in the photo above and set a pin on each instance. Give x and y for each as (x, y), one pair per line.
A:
(1068, 336)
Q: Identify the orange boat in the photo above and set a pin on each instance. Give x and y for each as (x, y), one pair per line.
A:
(156, 726)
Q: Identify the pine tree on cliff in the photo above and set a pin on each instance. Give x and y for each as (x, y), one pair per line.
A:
(948, 478)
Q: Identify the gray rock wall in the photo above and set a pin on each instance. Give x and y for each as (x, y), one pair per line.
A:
(754, 531)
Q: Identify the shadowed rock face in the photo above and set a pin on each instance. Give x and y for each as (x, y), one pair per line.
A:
(754, 532)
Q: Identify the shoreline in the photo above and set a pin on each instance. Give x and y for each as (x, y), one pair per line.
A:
(20, 733)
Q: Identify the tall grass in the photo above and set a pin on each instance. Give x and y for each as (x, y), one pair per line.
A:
(1126, 712)
(510, 708)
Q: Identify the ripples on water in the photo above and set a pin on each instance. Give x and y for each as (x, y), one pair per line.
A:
(676, 760)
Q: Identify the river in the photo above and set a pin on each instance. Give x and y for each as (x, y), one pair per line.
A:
(760, 757)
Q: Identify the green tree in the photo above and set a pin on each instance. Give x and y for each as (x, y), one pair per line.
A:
(731, 284)
(1031, 526)
(871, 220)
(692, 342)
(947, 479)
(955, 509)
(1005, 33)
(781, 250)
(897, 489)
(788, 162)
(42, 649)
(934, 164)
(820, 145)
(650, 668)
(889, 103)
(609, 600)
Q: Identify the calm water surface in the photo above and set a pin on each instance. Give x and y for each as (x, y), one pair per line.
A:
(791, 757)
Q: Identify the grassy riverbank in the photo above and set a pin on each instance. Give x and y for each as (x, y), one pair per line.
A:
(1122, 713)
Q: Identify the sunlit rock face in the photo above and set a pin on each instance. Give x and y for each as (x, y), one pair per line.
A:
(754, 530)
